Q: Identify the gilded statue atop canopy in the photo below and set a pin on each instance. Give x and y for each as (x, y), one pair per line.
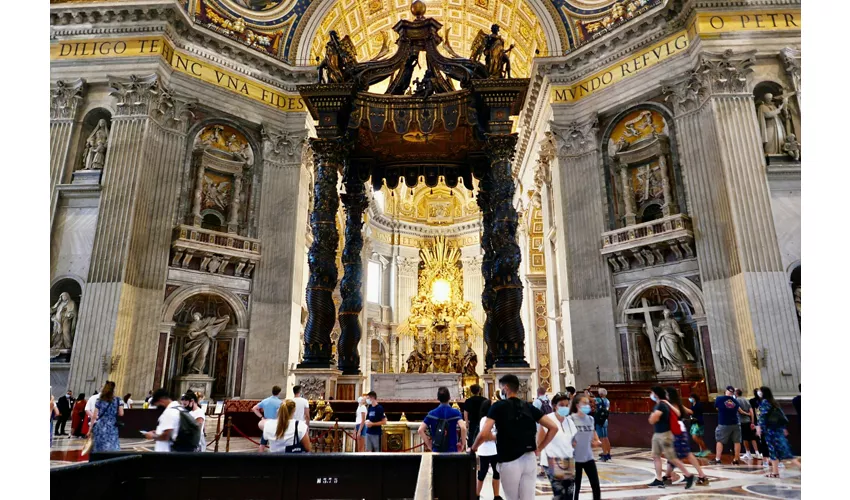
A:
(492, 47)
(340, 56)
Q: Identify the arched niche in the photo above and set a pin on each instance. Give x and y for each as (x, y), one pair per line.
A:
(643, 178)
(778, 117)
(89, 124)
(222, 342)
(73, 286)
(643, 304)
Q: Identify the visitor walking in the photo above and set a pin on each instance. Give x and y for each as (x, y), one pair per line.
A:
(600, 421)
(284, 433)
(79, 428)
(190, 402)
(698, 425)
(375, 419)
(439, 428)
(728, 431)
(302, 406)
(64, 405)
(516, 440)
(681, 444)
(772, 424)
(585, 440)
(541, 402)
(360, 423)
(748, 427)
(267, 409)
(128, 403)
(54, 412)
(168, 424)
(662, 419)
(755, 403)
(557, 459)
(472, 413)
(90, 404)
(486, 455)
(147, 404)
(104, 426)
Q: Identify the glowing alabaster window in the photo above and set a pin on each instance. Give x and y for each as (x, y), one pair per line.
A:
(373, 282)
(441, 291)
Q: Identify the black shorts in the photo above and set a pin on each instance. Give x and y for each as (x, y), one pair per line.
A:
(484, 463)
(748, 434)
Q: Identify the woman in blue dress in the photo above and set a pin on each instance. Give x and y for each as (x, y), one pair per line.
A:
(772, 424)
(106, 412)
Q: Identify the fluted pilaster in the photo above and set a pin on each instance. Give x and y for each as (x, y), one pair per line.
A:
(65, 101)
(748, 301)
(118, 320)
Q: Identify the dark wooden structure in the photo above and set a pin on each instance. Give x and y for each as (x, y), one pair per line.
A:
(235, 476)
(456, 125)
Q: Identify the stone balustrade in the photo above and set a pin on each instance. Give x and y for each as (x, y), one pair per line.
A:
(657, 242)
(214, 252)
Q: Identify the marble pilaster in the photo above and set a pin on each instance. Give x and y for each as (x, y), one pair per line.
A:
(65, 100)
(588, 295)
(117, 321)
(749, 304)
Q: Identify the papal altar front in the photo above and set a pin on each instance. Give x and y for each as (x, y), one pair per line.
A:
(414, 386)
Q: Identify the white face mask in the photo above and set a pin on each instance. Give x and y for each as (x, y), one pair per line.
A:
(368, 401)
(653, 397)
(760, 394)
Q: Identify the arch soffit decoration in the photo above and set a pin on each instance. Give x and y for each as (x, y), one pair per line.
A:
(185, 292)
(80, 281)
(249, 135)
(665, 112)
(690, 290)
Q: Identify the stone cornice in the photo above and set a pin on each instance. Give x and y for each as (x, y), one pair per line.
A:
(165, 16)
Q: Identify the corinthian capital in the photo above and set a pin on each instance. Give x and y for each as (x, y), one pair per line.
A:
(65, 97)
(330, 150)
(283, 147)
(684, 94)
(575, 138)
(135, 95)
(725, 73)
(791, 60)
(171, 111)
(501, 147)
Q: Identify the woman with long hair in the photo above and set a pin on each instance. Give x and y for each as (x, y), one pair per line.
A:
(104, 419)
(285, 431)
(128, 403)
(360, 423)
(78, 417)
(772, 424)
(486, 453)
(583, 441)
(680, 441)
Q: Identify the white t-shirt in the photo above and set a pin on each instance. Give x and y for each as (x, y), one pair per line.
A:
(360, 416)
(278, 445)
(488, 448)
(170, 419)
(300, 405)
(128, 404)
(196, 414)
(91, 402)
(562, 445)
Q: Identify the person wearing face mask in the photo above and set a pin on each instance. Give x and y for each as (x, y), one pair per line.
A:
(584, 441)
(375, 419)
(698, 425)
(728, 431)
(190, 402)
(360, 421)
(557, 458)
(662, 438)
(748, 427)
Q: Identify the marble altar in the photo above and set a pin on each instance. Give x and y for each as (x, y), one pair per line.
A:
(414, 386)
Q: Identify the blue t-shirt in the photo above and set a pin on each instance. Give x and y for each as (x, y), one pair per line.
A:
(444, 411)
(727, 410)
(270, 405)
(374, 414)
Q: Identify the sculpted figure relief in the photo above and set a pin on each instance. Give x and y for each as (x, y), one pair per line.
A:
(668, 344)
(339, 57)
(201, 333)
(418, 360)
(470, 362)
(492, 46)
(94, 155)
(63, 316)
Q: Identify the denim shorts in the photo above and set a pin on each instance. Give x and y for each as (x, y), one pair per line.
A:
(602, 430)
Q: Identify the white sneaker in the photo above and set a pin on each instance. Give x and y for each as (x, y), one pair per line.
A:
(781, 465)
(759, 456)
(746, 456)
(766, 464)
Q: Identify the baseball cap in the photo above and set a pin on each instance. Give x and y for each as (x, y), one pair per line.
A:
(730, 388)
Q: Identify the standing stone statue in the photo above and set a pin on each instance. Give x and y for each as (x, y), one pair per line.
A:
(668, 344)
(771, 123)
(469, 363)
(95, 152)
(63, 316)
(202, 331)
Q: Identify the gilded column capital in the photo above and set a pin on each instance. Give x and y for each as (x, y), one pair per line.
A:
(65, 98)
(283, 147)
(576, 138)
(501, 147)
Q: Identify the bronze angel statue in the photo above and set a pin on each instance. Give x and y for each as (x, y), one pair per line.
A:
(340, 56)
(492, 46)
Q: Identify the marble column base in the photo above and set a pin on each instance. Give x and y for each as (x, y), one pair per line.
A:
(525, 376)
(317, 383)
(344, 385)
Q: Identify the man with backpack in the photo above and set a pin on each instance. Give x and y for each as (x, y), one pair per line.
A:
(176, 430)
(516, 441)
(600, 421)
(542, 402)
(442, 423)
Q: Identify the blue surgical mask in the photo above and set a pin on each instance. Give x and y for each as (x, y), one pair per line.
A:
(653, 397)
(585, 409)
(691, 400)
(368, 401)
(563, 411)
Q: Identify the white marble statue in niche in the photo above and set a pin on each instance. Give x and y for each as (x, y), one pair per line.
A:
(199, 338)
(669, 344)
(94, 155)
(777, 125)
(63, 317)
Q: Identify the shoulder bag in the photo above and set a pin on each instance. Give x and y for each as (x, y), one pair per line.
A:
(296, 446)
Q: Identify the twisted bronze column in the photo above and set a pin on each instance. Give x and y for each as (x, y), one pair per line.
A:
(487, 295)
(328, 156)
(507, 287)
(354, 203)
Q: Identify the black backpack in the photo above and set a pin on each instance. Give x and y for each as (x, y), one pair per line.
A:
(525, 425)
(188, 433)
(546, 406)
(440, 439)
(601, 414)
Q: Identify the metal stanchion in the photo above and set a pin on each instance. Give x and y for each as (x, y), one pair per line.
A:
(217, 432)
(229, 425)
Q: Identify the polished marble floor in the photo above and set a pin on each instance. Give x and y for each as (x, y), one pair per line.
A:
(626, 476)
